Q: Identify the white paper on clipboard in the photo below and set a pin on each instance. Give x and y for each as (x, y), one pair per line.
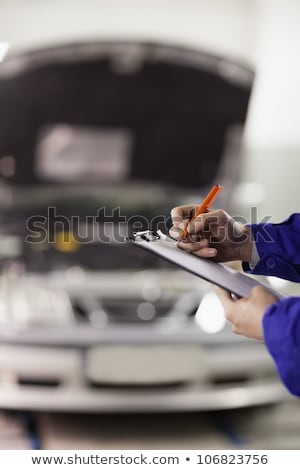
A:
(216, 273)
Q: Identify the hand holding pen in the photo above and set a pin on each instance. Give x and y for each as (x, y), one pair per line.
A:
(204, 206)
(211, 233)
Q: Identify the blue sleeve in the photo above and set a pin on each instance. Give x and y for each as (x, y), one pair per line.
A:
(281, 326)
(278, 246)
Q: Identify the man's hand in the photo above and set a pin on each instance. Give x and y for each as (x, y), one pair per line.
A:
(245, 315)
(214, 234)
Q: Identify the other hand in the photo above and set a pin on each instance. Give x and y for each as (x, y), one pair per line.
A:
(245, 315)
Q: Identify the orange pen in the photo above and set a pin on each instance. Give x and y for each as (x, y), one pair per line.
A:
(205, 204)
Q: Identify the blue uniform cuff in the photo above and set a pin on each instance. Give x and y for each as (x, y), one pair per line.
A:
(270, 247)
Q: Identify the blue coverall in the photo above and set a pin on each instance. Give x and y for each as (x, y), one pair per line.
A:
(278, 246)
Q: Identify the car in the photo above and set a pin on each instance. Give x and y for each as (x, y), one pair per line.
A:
(97, 141)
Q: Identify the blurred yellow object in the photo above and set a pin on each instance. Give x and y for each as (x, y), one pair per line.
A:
(65, 242)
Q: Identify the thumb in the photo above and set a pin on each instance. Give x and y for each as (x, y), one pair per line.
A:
(224, 296)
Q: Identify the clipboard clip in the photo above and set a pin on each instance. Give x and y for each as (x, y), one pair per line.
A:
(146, 235)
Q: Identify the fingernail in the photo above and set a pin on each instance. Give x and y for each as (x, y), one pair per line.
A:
(212, 252)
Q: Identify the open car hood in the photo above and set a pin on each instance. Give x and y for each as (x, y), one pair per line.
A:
(117, 112)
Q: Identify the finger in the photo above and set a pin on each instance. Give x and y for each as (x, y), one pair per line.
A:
(205, 252)
(261, 292)
(182, 214)
(176, 232)
(224, 296)
(208, 221)
(201, 248)
(235, 330)
(192, 246)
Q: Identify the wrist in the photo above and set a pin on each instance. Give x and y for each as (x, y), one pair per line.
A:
(246, 247)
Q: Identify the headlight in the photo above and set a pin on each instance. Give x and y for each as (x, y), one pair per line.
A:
(210, 314)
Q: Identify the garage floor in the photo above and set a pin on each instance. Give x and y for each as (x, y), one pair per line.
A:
(274, 427)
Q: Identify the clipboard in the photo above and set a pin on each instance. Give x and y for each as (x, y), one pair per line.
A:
(223, 276)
